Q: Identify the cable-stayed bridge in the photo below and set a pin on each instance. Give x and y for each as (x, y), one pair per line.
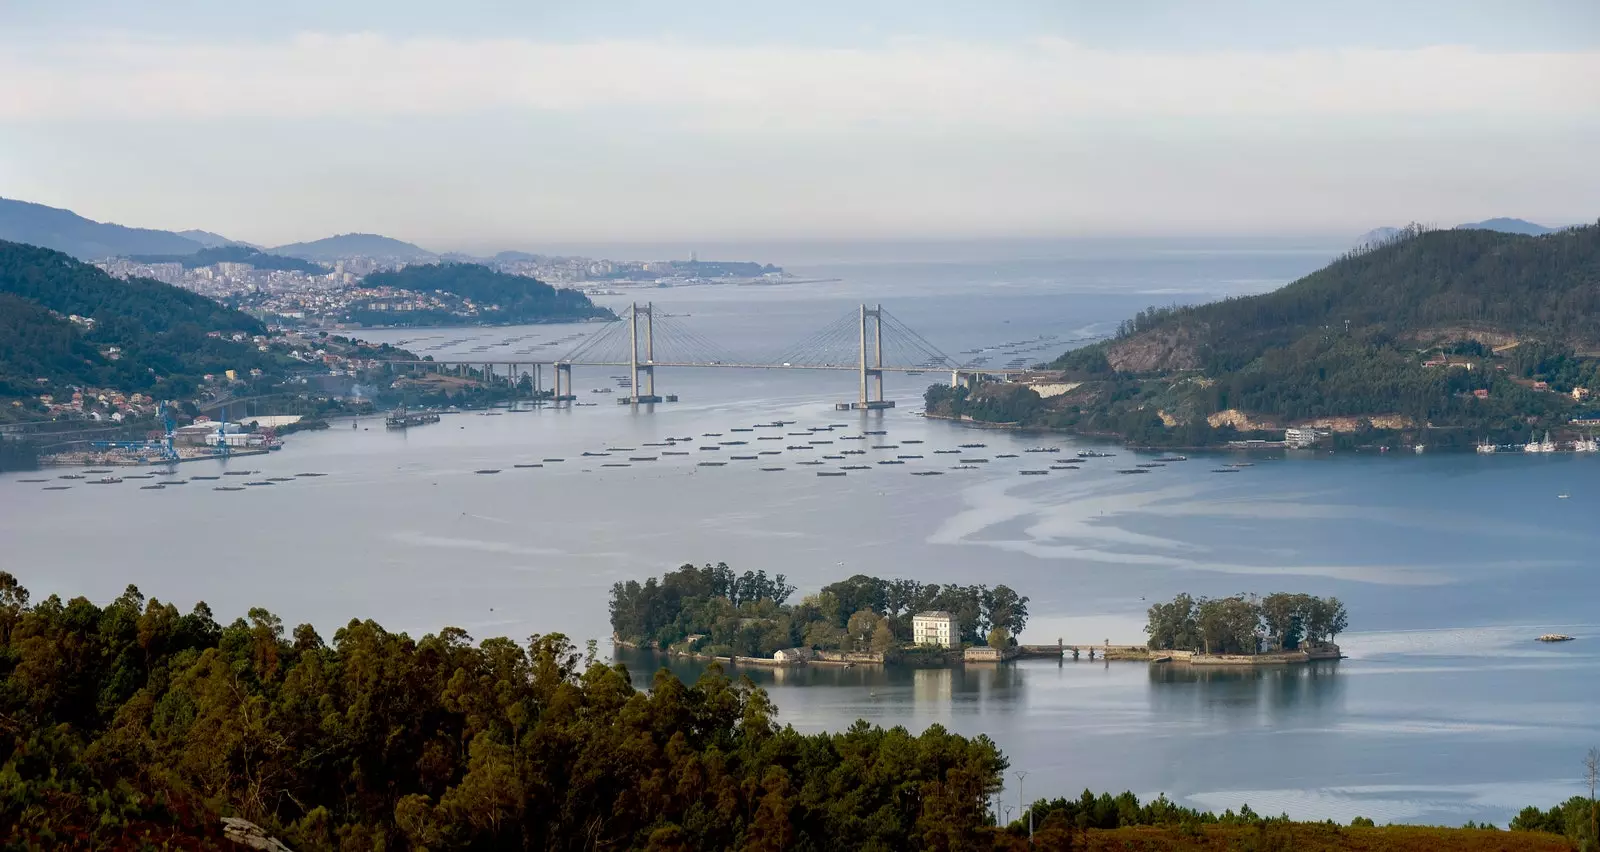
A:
(868, 341)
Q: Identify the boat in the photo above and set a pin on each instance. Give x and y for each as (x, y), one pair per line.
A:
(641, 458)
(1486, 448)
(710, 449)
(1094, 454)
(964, 467)
(771, 453)
(1225, 470)
(172, 482)
(70, 476)
(891, 461)
(1042, 450)
(799, 447)
(974, 461)
(106, 480)
(529, 464)
(548, 461)
(811, 462)
(886, 446)
(741, 429)
(619, 449)
(911, 440)
(853, 438)
(971, 446)
(770, 469)
(819, 442)
(615, 464)
(674, 452)
(875, 432)
(927, 473)
(710, 434)
(946, 452)
(1555, 637)
(485, 470)
(98, 470)
(1172, 458)
(157, 487)
(1005, 455)
(1063, 467)
(592, 455)
(856, 467)
(733, 443)
(280, 479)
(227, 488)
(211, 478)
(1151, 464)
(711, 464)
(742, 458)
(240, 472)
(33, 480)
(259, 482)
(1133, 470)
(1033, 472)
(1563, 496)
(56, 487)
(831, 473)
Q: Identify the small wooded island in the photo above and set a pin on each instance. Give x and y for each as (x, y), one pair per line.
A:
(1246, 630)
(711, 612)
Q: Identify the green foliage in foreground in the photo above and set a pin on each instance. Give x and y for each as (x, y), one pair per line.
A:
(133, 724)
(748, 615)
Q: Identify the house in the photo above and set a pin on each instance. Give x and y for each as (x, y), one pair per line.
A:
(935, 627)
(793, 655)
(1481, 393)
(987, 654)
(1580, 394)
(1302, 438)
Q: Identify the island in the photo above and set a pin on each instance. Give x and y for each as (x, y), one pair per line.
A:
(1457, 339)
(1246, 630)
(710, 611)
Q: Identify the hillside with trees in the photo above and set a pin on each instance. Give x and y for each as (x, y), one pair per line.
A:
(136, 725)
(750, 615)
(487, 296)
(234, 254)
(68, 323)
(1440, 337)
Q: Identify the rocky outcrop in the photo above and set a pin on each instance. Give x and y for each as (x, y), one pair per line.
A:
(248, 834)
(1239, 420)
(1155, 351)
(1351, 424)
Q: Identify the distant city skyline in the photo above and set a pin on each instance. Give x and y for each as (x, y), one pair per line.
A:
(568, 124)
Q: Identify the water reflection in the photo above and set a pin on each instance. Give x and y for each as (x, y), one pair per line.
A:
(1216, 694)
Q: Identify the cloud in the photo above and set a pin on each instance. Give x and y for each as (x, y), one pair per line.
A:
(1044, 81)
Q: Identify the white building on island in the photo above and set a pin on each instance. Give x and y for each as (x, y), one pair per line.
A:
(935, 627)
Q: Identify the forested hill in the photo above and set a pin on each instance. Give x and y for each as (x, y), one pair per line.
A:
(496, 296)
(1414, 286)
(159, 332)
(234, 254)
(1442, 338)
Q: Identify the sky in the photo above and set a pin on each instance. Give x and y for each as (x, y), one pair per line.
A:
(473, 126)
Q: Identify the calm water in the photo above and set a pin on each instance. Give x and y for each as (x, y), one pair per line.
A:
(1445, 711)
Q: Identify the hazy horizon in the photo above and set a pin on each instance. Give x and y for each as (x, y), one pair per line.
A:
(562, 124)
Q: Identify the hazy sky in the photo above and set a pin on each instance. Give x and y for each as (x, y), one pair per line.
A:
(471, 125)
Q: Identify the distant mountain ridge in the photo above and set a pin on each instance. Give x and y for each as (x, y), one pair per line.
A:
(85, 239)
(213, 240)
(1509, 226)
(352, 245)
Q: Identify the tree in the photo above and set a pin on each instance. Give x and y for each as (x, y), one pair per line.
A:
(999, 638)
(883, 638)
(1591, 776)
(860, 628)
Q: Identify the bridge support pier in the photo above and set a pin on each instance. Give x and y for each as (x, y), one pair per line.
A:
(563, 383)
(646, 392)
(871, 374)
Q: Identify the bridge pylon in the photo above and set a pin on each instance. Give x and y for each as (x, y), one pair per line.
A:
(870, 396)
(645, 369)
